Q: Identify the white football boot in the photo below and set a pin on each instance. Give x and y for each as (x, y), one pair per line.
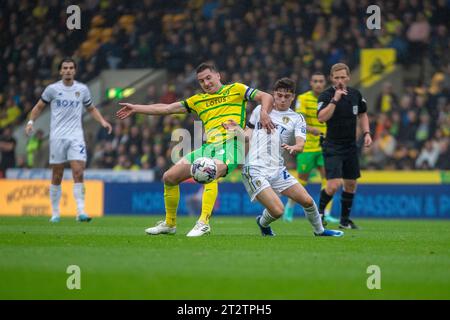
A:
(199, 230)
(161, 228)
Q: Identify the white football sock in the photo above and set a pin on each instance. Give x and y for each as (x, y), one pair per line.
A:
(314, 218)
(266, 219)
(78, 193)
(55, 196)
(290, 203)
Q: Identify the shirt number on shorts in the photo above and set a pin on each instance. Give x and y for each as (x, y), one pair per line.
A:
(285, 174)
(81, 149)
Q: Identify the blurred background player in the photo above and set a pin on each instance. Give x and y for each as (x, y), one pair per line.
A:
(264, 173)
(67, 98)
(215, 105)
(311, 157)
(342, 107)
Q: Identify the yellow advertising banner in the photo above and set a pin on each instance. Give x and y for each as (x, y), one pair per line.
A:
(376, 63)
(31, 198)
(391, 177)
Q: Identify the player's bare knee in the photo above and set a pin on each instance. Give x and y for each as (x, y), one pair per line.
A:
(332, 188)
(57, 176)
(56, 180)
(277, 211)
(221, 170)
(169, 179)
(77, 174)
(350, 187)
(78, 178)
(307, 202)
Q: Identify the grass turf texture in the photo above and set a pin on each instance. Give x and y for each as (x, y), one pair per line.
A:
(119, 261)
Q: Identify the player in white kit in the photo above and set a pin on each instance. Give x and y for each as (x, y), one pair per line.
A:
(264, 174)
(67, 99)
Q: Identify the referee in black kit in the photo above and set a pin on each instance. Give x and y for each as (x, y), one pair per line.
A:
(340, 107)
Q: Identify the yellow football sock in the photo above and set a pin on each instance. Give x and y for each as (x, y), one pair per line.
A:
(208, 200)
(171, 198)
(330, 204)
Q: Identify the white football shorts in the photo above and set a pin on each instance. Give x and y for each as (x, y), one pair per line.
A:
(255, 180)
(63, 150)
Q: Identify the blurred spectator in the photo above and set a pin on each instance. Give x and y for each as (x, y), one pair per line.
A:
(7, 149)
(443, 162)
(11, 114)
(383, 149)
(21, 162)
(147, 156)
(160, 167)
(387, 100)
(418, 34)
(124, 163)
(109, 156)
(428, 155)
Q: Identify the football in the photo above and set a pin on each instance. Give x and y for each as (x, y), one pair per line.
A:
(203, 170)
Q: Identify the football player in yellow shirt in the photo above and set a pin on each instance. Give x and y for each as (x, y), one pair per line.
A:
(217, 104)
(311, 157)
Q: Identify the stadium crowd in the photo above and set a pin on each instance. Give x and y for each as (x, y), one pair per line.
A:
(253, 42)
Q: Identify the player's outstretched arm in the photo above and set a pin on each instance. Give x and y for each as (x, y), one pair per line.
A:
(99, 118)
(129, 109)
(297, 148)
(34, 114)
(266, 101)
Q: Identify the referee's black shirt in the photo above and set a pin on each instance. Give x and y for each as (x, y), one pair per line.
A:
(341, 127)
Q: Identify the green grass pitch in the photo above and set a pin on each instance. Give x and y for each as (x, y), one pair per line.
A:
(118, 261)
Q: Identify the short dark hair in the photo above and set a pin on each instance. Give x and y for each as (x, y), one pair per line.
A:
(67, 59)
(318, 73)
(286, 84)
(205, 65)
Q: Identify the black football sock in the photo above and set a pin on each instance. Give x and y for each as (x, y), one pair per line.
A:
(325, 198)
(346, 205)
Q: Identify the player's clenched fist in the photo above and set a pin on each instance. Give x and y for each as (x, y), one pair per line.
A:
(126, 110)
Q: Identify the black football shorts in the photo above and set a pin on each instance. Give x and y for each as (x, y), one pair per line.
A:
(341, 162)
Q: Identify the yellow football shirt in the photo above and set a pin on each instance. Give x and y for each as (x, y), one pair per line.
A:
(229, 103)
(307, 105)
